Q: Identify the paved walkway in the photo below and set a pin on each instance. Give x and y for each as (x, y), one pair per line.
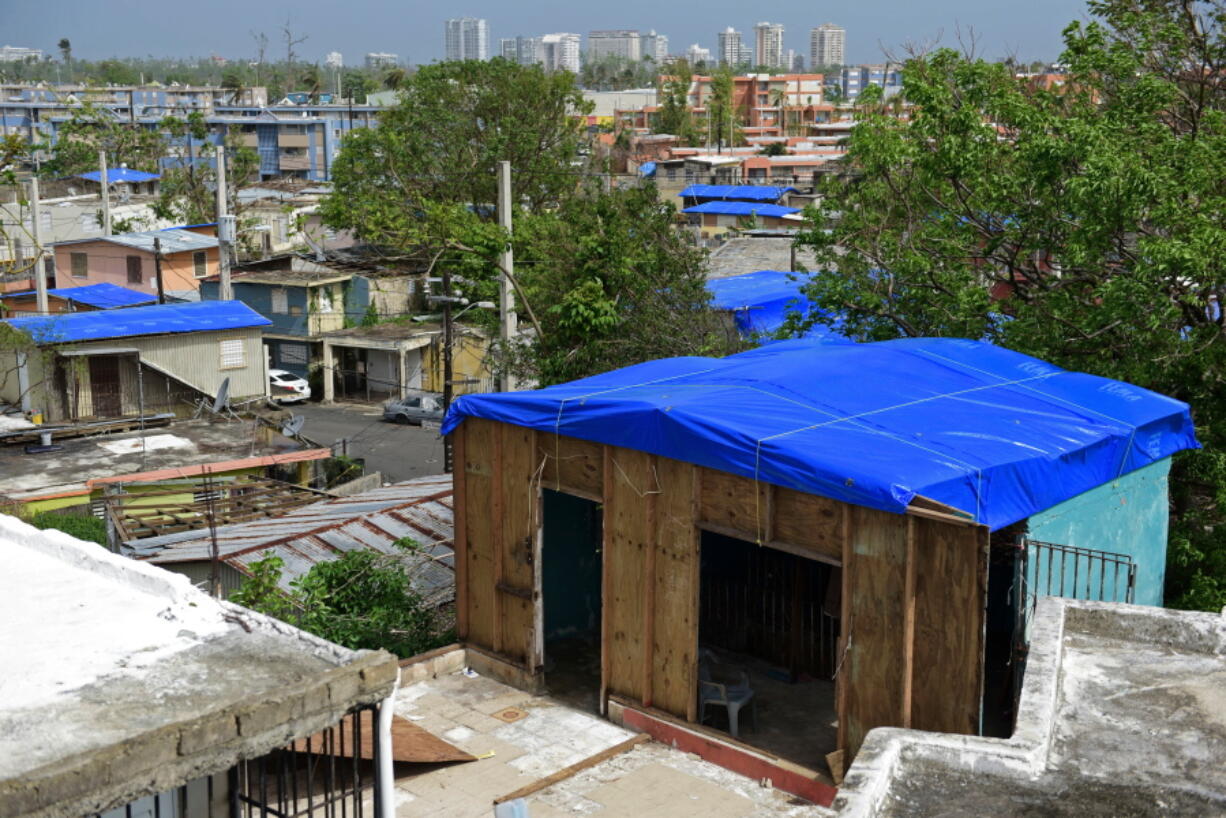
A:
(520, 738)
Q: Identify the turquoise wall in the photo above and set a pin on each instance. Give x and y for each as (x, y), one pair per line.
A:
(1127, 516)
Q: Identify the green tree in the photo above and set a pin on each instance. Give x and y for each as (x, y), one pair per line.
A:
(1084, 225)
(65, 47)
(675, 117)
(91, 129)
(725, 122)
(356, 84)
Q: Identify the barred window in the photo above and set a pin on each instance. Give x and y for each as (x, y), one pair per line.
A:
(232, 356)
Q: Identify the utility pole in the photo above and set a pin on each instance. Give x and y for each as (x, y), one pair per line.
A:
(40, 265)
(508, 321)
(225, 229)
(106, 194)
(157, 267)
(447, 455)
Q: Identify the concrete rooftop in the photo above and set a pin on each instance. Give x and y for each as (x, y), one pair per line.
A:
(520, 738)
(121, 680)
(748, 254)
(184, 444)
(1123, 713)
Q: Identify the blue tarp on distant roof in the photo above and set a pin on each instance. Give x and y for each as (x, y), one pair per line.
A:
(104, 296)
(742, 209)
(995, 433)
(160, 319)
(750, 193)
(647, 169)
(117, 175)
(760, 301)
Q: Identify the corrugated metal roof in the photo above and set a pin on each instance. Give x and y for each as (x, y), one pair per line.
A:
(174, 240)
(375, 520)
(742, 209)
(159, 319)
(116, 175)
(752, 193)
(104, 296)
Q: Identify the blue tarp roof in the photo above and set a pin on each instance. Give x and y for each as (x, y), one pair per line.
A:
(742, 209)
(160, 319)
(760, 301)
(647, 169)
(995, 433)
(116, 175)
(751, 193)
(104, 296)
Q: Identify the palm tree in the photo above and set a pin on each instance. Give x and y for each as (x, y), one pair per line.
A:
(65, 47)
(778, 98)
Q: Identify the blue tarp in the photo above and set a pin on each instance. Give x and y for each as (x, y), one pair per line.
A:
(647, 169)
(117, 175)
(104, 296)
(749, 193)
(160, 319)
(760, 301)
(742, 209)
(995, 433)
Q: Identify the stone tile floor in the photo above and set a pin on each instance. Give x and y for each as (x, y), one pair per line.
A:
(649, 781)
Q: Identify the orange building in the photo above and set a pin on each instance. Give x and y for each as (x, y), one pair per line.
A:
(129, 260)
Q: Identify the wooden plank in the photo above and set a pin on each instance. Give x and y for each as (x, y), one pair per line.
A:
(517, 518)
(480, 527)
(460, 536)
(734, 502)
(499, 530)
(571, 465)
(577, 767)
(950, 594)
(873, 661)
(695, 591)
(627, 522)
(410, 743)
(790, 548)
(809, 521)
(674, 636)
(908, 624)
(649, 583)
(606, 543)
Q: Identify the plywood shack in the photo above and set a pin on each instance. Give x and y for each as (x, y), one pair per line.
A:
(913, 585)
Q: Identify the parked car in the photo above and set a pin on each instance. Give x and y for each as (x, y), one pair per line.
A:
(415, 409)
(286, 387)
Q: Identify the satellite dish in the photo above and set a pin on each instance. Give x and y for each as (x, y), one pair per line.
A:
(293, 426)
(223, 396)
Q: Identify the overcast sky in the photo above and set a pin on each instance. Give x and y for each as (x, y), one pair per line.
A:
(414, 29)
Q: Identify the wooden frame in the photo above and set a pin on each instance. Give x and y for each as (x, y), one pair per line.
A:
(914, 586)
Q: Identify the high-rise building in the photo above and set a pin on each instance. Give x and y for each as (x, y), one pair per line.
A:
(334, 60)
(826, 45)
(381, 59)
(653, 45)
(13, 53)
(768, 45)
(467, 38)
(522, 50)
(560, 52)
(696, 54)
(620, 42)
(732, 48)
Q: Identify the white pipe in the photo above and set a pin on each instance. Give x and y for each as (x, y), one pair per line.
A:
(387, 781)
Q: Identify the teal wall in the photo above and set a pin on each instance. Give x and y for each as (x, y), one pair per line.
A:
(1127, 516)
(571, 565)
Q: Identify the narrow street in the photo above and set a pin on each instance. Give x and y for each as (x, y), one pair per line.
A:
(399, 452)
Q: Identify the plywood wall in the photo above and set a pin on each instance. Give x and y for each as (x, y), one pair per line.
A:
(913, 586)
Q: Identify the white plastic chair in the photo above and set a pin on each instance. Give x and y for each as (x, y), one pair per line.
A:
(732, 697)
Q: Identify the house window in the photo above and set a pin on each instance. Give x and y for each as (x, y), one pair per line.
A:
(80, 265)
(134, 271)
(295, 309)
(89, 223)
(293, 355)
(199, 259)
(232, 354)
(280, 301)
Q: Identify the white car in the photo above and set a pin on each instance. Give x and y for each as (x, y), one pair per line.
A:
(286, 387)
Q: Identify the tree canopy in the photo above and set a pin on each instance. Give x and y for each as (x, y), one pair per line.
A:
(1084, 224)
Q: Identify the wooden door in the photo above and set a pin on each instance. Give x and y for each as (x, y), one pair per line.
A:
(104, 386)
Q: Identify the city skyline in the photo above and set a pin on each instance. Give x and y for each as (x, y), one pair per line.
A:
(413, 30)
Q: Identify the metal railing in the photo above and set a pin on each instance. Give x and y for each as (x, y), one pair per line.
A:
(1048, 569)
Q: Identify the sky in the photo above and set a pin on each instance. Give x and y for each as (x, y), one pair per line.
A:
(414, 30)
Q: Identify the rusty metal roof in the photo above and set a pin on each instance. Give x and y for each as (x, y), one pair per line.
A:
(419, 509)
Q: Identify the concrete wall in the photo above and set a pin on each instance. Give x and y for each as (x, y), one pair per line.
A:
(108, 263)
(1127, 516)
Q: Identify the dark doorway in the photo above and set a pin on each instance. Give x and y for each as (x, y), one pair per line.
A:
(769, 626)
(571, 573)
(104, 386)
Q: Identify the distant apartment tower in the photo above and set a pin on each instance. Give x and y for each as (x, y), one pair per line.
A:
(560, 52)
(768, 42)
(467, 38)
(696, 54)
(620, 42)
(732, 48)
(335, 59)
(12, 53)
(826, 44)
(653, 45)
(522, 50)
(381, 59)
